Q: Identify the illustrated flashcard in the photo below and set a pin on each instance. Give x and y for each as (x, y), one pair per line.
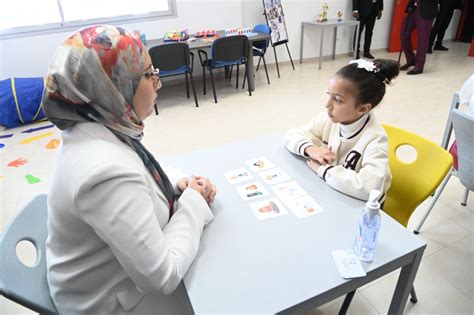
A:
(289, 190)
(268, 208)
(238, 176)
(252, 190)
(260, 164)
(274, 176)
(303, 207)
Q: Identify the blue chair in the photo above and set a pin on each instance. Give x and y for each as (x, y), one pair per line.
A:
(174, 59)
(25, 285)
(225, 52)
(260, 48)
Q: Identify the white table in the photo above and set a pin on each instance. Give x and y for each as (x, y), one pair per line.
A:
(284, 265)
(328, 24)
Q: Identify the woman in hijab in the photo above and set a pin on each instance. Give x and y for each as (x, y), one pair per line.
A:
(122, 234)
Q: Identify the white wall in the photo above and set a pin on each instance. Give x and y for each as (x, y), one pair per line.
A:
(306, 10)
(30, 56)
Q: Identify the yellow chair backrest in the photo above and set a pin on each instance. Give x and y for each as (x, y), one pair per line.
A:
(413, 182)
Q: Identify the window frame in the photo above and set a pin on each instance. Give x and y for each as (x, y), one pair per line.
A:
(35, 30)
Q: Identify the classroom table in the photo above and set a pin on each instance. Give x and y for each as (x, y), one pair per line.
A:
(283, 265)
(328, 24)
(199, 43)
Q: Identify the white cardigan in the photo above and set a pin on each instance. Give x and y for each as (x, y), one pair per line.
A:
(361, 158)
(110, 248)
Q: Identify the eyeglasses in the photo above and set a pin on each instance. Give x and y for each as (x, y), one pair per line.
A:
(154, 74)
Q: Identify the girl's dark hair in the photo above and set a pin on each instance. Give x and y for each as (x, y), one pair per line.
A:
(370, 85)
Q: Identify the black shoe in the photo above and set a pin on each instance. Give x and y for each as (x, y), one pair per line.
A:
(440, 47)
(368, 55)
(406, 66)
(430, 50)
(415, 71)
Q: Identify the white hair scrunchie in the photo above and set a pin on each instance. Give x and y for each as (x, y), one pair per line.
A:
(368, 65)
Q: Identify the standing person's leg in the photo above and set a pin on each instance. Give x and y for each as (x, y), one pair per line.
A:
(423, 27)
(444, 23)
(369, 27)
(443, 7)
(362, 22)
(408, 25)
(434, 33)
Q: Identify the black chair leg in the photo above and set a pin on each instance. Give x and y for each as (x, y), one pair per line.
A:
(203, 80)
(248, 78)
(245, 77)
(258, 64)
(194, 89)
(156, 109)
(229, 73)
(347, 302)
(237, 80)
(413, 298)
(187, 85)
(213, 87)
(266, 71)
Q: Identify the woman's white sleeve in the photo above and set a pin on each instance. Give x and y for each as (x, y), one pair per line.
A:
(116, 202)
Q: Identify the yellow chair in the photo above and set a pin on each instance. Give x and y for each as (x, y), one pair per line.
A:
(412, 182)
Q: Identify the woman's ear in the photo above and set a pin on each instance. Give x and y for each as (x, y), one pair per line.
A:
(363, 109)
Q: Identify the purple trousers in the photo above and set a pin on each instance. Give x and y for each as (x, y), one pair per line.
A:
(423, 28)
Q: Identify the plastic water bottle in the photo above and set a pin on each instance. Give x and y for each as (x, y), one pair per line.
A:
(369, 225)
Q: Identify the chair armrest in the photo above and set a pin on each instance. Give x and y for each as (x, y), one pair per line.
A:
(202, 54)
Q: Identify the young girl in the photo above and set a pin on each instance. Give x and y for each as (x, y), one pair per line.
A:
(346, 146)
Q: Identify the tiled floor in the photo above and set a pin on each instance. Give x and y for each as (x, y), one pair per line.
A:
(445, 281)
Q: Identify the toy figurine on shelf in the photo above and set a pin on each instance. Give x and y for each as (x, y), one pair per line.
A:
(325, 12)
(320, 18)
(339, 16)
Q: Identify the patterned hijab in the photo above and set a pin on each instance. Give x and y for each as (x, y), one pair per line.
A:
(93, 77)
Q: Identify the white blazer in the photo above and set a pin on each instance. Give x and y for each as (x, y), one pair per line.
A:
(110, 248)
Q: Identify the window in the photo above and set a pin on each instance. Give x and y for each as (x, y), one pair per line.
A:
(15, 13)
(27, 17)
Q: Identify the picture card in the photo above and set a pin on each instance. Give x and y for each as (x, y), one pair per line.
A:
(289, 190)
(274, 176)
(239, 175)
(252, 190)
(260, 164)
(268, 208)
(348, 264)
(303, 207)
